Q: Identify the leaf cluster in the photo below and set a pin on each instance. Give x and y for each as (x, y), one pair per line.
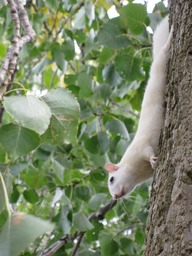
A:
(73, 106)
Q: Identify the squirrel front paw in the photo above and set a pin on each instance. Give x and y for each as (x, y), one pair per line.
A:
(153, 161)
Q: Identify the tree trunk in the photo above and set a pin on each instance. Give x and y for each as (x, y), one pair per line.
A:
(169, 229)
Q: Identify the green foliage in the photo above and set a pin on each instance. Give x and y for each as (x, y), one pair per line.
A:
(74, 105)
(29, 111)
(108, 245)
(134, 16)
(65, 113)
(81, 223)
(112, 35)
(18, 140)
(14, 236)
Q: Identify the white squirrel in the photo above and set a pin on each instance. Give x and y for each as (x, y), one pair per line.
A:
(138, 162)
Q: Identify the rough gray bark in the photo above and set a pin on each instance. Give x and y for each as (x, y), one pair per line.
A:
(169, 229)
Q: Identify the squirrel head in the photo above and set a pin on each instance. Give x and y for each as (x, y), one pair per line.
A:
(120, 180)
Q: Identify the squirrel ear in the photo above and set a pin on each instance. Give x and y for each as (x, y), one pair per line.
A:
(111, 167)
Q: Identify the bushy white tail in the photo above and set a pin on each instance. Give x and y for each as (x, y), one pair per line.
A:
(160, 36)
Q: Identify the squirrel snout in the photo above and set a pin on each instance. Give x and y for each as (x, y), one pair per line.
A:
(115, 197)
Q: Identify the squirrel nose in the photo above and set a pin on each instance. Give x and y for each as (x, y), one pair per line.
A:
(116, 197)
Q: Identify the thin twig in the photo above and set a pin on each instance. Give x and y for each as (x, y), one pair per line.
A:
(122, 108)
(80, 238)
(57, 245)
(98, 215)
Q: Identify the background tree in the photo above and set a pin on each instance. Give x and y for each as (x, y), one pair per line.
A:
(170, 218)
(70, 101)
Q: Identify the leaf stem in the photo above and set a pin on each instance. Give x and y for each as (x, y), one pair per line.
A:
(5, 195)
(17, 89)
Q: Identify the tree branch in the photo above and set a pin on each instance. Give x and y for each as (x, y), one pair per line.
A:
(20, 19)
(26, 26)
(57, 245)
(99, 215)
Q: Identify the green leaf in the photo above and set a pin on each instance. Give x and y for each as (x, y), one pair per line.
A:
(15, 195)
(59, 58)
(90, 10)
(2, 154)
(34, 178)
(139, 236)
(92, 144)
(29, 111)
(134, 16)
(96, 201)
(65, 117)
(39, 67)
(108, 245)
(52, 4)
(106, 55)
(128, 65)
(58, 169)
(63, 53)
(97, 144)
(66, 219)
(70, 79)
(3, 217)
(98, 175)
(136, 101)
(121, 147)
(127, 246)
(68, 49)
(49, 78)
(17, 140)
(16, 169)
(31, 196)
(137, 204)
(2, 50)
(118, 127)
(93, 234)
(81, 222)
(111, 76)
(103, 92)
(103, 142)
(79, 20)
(84, 81)
(112, 36)
(79, 36)
(72, 176)
(83, 192)
(19, 231)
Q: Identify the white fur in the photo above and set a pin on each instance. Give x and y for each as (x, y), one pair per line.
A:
(138, 161)
(160, 36)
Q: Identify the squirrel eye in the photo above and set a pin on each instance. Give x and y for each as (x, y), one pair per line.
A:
(111, 179)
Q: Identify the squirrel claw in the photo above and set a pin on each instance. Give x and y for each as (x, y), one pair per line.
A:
(153, 161)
